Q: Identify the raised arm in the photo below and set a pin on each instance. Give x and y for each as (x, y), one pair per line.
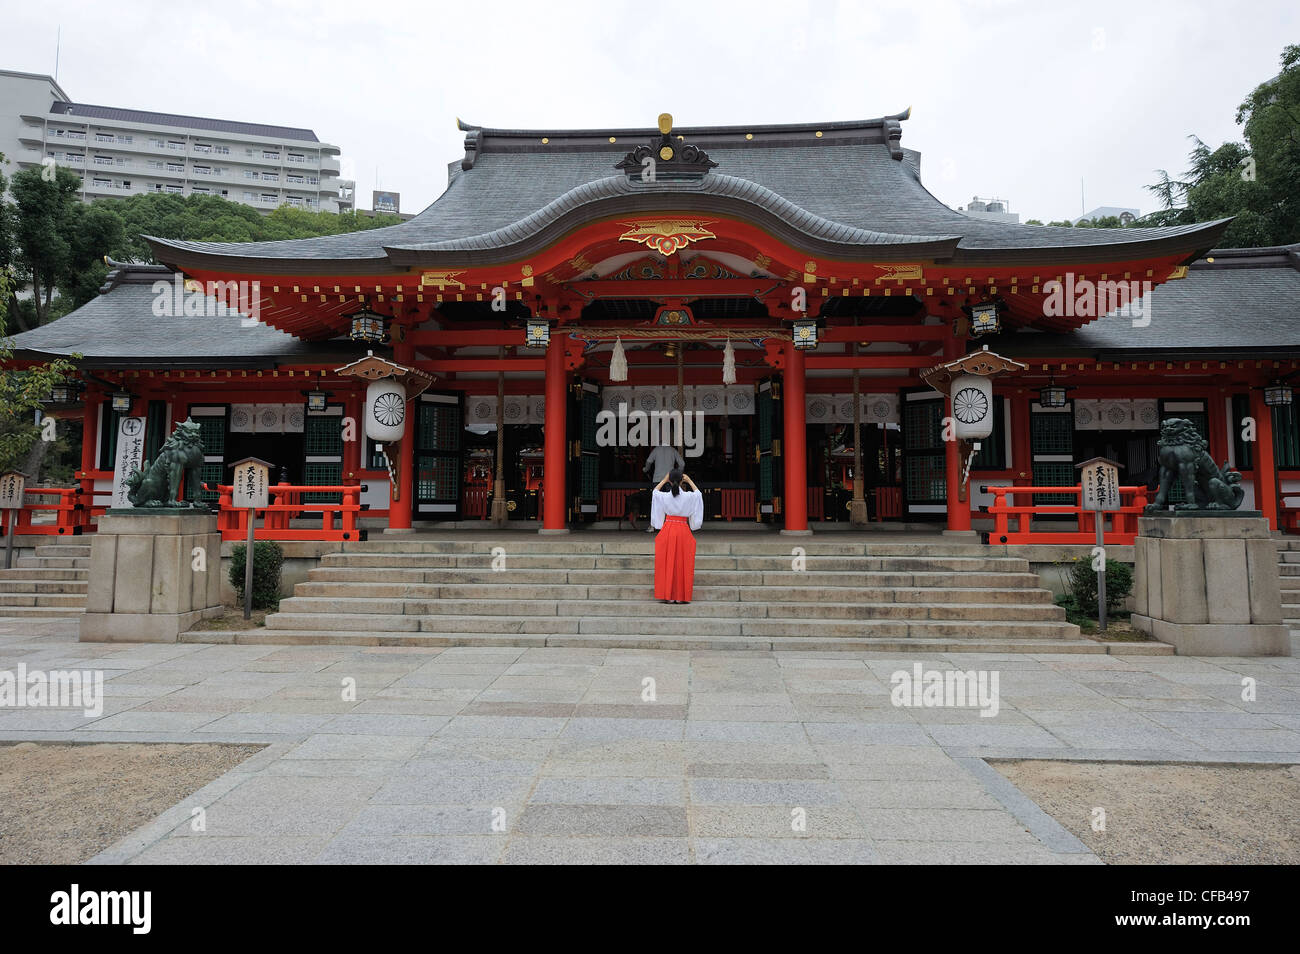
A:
(657, 507)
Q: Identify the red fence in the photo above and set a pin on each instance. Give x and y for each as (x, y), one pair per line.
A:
(1121, 532)
(72, 510)
(338, 520)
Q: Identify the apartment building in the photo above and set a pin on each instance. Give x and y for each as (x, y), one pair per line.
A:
(120, 152)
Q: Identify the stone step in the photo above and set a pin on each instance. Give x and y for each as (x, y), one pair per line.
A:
(736, 592)
(40, 612)
(28, 573)
(53, 563)
(904, 645)
(1289, 556)
(43, 586)
(559, 561)
(575, 544)
(678, 626)
(63, 550)
(785, 578)
(41, 599)
(649, 608)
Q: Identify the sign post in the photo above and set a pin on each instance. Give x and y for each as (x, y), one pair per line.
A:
(12, 485)
(128, 458)
(1099, 481)
(249, 491)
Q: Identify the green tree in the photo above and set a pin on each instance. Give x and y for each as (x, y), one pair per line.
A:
(43, 216)
(1257, 181)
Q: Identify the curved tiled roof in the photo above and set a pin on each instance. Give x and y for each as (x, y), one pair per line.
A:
(833, 188)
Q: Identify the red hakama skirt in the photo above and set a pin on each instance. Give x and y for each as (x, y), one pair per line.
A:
(674, 560)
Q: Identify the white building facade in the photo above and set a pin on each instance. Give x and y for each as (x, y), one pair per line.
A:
(121, 152)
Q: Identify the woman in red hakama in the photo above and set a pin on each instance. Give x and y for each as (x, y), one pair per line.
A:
(675, 512)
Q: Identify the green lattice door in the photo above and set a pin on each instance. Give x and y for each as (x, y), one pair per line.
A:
(322, 446)
(925, 475)
(584, 454)
(767, 446)
(212, 433)
(1051, 443)
(438, 455)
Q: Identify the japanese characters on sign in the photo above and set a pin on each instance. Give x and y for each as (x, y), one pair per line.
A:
(129, 457)
(1100, 482)
(12, 486)
(250, 485)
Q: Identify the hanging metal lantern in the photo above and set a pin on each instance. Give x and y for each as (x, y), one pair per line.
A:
(67, 391)
(538, 333)
(984, 319)
(316, 401)
(1278, 394)
(385, 410)
(1053, 395)
(121, 402)
(367, 326)
(805, 334)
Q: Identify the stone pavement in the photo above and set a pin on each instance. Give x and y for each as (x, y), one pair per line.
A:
(521, 755)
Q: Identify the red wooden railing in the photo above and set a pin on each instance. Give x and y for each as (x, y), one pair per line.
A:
(1121, 531)
(737, 503)
(72, 511)
(816, 503)
(475, 502)
(338, 520)
(613, 502)
(889, 503)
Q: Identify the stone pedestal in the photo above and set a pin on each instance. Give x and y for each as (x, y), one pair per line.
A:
(143, 587)
(1208, 585)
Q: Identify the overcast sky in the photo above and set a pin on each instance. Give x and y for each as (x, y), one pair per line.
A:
(1018, 100)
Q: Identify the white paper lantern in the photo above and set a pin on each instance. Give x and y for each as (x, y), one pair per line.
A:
(385, 410)
(972, 406)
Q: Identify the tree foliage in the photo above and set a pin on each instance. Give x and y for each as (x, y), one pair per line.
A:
(1257, 181)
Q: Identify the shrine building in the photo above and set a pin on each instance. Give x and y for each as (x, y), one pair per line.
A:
(754, 279)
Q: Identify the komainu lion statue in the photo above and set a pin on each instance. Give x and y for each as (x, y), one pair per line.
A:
(1182, 455)
(160, 481)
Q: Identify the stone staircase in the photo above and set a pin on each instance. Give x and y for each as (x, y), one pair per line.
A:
(50, 584)
(1288, 568)
(583, 592)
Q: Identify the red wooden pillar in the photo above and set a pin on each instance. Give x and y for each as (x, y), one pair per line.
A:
(399, 510)
(353, 405)
(90, 430)
(1265, 462)
(1217, 422)
(958, 510)
(795, 450)
(555, 460)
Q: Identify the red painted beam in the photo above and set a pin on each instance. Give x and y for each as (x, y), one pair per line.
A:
(848, 361)
(460, 339)
(884, 333)
(483, 364)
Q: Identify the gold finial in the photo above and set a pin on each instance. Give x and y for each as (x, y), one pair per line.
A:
(665, 123)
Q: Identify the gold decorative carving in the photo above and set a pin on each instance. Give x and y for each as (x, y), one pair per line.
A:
(666, 236)
(442, 278)
(901, 272)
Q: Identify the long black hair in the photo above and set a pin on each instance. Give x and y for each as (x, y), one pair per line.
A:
(674, 481)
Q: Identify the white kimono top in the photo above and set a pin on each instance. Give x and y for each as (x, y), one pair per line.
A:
(688, 503)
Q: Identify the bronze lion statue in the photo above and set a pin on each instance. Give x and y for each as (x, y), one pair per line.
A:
(1182, 454)
(159, 482)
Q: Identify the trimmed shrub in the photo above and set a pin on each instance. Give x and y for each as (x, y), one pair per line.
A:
(268, 558)
(1083, 584)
